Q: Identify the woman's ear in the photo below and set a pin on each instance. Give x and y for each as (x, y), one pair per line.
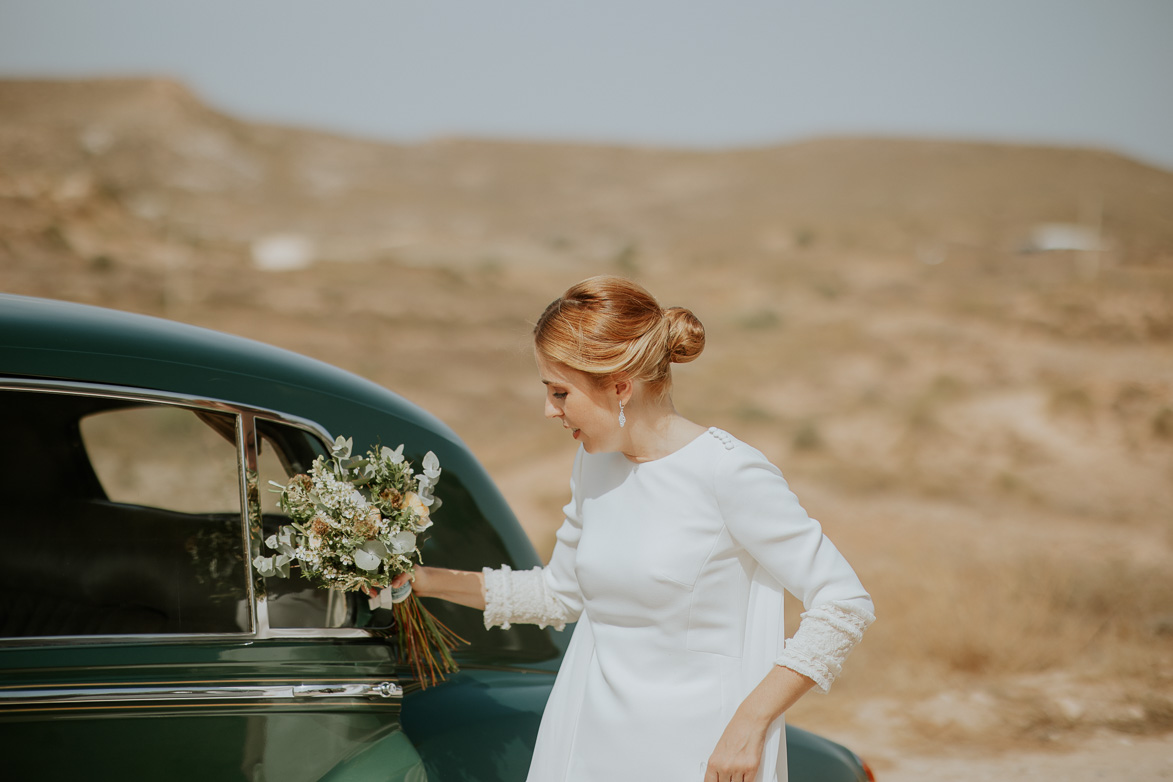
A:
(624, 389)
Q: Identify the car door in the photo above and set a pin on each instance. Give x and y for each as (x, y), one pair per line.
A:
(134, 640)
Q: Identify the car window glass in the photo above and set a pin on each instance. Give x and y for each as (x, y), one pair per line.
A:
(285, 451)
(165, 457)
(124, 519)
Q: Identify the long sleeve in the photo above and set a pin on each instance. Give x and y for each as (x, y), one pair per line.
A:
(521, 596)
(765, 517)
(548, 596)
(825, 636)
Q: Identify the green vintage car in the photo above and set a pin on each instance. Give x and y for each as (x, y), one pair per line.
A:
(136, 642)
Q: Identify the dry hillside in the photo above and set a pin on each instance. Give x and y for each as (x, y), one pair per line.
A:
(986, 431)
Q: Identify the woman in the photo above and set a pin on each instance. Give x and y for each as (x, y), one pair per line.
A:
(677, 543)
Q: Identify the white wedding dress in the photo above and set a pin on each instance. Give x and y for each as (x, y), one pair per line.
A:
(673, 570)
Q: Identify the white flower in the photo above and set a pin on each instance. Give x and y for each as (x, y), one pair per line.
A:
(393, 456)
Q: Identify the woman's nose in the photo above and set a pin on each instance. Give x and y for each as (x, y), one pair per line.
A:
(551, 411)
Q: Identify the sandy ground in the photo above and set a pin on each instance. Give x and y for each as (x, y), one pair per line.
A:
(1098, 758)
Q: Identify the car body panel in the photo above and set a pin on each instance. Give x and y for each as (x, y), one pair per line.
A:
(277, 710)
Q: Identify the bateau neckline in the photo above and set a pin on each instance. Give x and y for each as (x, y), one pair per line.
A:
(711, 431)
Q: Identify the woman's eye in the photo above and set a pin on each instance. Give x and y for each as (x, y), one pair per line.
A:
(559, 395)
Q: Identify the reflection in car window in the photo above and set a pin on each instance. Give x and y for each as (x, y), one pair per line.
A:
(165, 457)
(144, 515)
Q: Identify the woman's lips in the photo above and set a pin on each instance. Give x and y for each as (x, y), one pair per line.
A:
(575, 433)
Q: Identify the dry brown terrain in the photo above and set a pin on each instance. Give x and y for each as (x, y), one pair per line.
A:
(986, 432)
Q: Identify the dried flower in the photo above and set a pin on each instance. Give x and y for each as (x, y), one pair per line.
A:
(367, 527)
(391, 497)
(319, 525)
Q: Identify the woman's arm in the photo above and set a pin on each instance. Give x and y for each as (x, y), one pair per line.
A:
(764, 516)
(543, 596)
(739, 752)
(465, 587)
(504, 595)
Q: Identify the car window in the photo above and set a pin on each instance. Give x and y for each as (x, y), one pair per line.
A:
(122, 518)
(165, 457)
(293, 602)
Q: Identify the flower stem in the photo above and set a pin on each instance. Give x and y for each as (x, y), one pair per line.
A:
(425, 643)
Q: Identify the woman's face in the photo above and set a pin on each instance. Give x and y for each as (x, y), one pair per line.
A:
(589, 411)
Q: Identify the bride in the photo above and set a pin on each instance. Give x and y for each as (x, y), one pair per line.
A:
(677, 543)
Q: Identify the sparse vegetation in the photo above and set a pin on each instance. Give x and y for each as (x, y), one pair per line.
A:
(807, 437)
(760, 319)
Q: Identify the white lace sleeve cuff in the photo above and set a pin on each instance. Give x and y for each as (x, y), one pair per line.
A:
(825, 637)
(521, 596)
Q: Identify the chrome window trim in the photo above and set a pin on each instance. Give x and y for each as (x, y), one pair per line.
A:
(133, 394)
(246, 433)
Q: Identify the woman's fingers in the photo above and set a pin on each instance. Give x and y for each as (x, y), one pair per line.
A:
(731, 769)
(712, 775)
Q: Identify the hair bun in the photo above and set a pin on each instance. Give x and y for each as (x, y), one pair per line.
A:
(686, 335)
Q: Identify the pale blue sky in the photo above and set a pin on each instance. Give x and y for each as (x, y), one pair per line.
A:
(695, 73)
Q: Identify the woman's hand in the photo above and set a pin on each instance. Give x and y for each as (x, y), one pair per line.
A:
(739, 752)
(458, 586)
(420, 577)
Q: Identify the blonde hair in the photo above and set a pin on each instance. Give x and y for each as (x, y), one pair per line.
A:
(608, 326)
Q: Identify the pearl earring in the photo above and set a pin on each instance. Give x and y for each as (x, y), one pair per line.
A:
(622, 417)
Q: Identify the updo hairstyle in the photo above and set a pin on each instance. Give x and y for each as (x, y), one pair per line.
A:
(608, 326)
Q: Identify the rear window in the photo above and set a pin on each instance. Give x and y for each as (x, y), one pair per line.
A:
(124, 518)
(165, 457)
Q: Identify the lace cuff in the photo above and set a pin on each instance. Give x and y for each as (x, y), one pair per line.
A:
(825, 637)
(520, 596)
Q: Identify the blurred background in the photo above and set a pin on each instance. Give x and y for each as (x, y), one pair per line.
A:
(932, 245)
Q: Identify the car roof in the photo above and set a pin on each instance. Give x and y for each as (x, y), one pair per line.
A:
(46, 338)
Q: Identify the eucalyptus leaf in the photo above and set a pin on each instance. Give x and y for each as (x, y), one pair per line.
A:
(265, 566)
(431, 465)
(283, 565)
(367, 559)
(342, 447)
(403, 542)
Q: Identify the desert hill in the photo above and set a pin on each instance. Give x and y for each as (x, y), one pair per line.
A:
(961, 354)
(158, 151)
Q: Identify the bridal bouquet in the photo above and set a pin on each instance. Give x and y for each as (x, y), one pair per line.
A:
(355, 522)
